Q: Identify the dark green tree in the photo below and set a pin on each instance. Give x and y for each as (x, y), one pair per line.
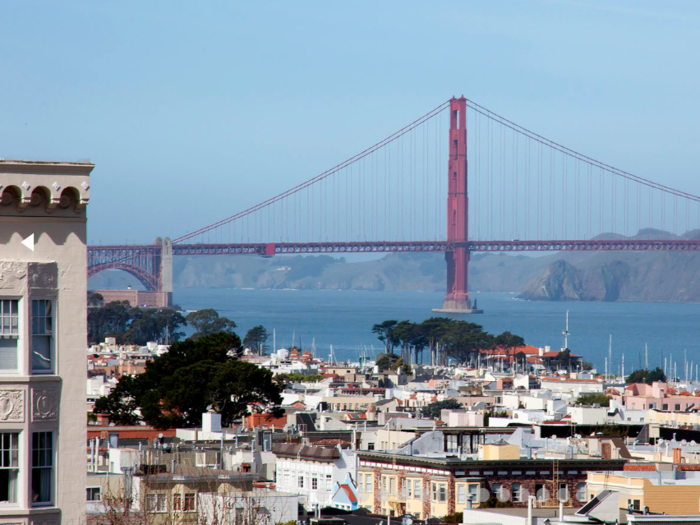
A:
(386, 361)
(195, 376)
(433, 410)
(112, 320)
(646, 376)
(256, 338)
(593, 399)
(385, 334)
(95, 300)
(208, 321)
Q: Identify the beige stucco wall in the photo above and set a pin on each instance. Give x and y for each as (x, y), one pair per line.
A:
(47, 200)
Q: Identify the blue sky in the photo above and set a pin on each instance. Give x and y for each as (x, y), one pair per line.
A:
(193, 111)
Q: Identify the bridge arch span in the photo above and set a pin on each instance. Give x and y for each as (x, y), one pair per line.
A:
(147, 279)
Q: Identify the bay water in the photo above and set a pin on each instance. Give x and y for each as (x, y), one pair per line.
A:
(344, 319)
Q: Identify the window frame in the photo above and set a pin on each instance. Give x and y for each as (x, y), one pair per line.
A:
(461, 494)
(159, 500)
(417, 489)
(18, 337)
(53, 343)
(88, 493)
(442, 492)
(52, 478)
(189, 497)
(517, 492)
(18, 459)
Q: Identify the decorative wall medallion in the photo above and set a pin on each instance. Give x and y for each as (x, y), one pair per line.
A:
(11, 405)
(44, 405)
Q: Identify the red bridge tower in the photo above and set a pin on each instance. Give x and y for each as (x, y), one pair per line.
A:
(457, 296)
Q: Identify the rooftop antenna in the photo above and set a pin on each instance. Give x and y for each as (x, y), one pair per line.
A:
(565, 333)
(274, 340)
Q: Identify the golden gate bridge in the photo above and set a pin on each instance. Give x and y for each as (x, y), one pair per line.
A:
(427, 188)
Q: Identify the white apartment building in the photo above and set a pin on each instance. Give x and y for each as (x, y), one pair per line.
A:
(313, 472)
(43, 318)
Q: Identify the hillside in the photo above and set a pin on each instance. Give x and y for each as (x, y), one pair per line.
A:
(571, 276)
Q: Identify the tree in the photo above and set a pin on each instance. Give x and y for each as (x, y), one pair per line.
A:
(95, 300)
(208, 322)
(386, 361)
(111, 320)
(434, 410)
(402, 366)
(195, 376)
(385, 334)
(255, 338)
(593, 399)
(646, 376)
(521, 357)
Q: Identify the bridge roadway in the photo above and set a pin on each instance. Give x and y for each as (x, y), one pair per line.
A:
(113, 254)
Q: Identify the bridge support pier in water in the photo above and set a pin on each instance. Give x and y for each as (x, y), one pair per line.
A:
(457, 295)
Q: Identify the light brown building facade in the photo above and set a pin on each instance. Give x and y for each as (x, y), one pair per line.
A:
(42, 341)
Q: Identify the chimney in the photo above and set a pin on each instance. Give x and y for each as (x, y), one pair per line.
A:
(677, 455)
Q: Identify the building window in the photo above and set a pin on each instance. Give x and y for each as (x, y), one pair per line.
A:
(461, 494)
(190, 503)
(581, 492)
(409, 488)
(678, 407)
(301, 481)
(563, 492)
(473, 493)
(451, 443)
(42, 467)
(177, 502)
(314, 483)
(9, 467)
(361, 483)
(416, 489)
(368, 482)
(665, 406)
(329, 482)
(496, 489)
(370, 446)
(518, 492)
(540, 492)
(392, 486)
(442, 495)
(42, 336)
(9, 335)
(636, 505)
(94, 493)
(434, 493)
(156, 502)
